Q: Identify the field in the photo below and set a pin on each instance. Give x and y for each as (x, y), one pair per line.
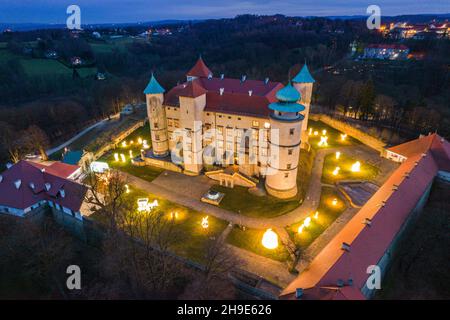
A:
(241, 201)
(191, 238)
(367, 172)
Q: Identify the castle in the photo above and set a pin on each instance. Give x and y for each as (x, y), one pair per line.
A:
(257, 126)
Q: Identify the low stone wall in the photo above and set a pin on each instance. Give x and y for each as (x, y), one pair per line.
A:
(167, 165)
(356, 133)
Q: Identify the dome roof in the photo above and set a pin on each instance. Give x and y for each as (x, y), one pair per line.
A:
(153, 87)
(286, 107)
(288, 94)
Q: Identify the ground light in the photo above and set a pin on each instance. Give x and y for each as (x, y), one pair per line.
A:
(316, 133)
(338, 155)
(174, 215)
(127, 188)
(205, 222)
(316, 215)
(270, 240)
(131, 153)
(334, 202)
(356, 167)
(343, 136)
(323, 141)
(336, 171)
(116, 156)
(122, 156)
(310, 131)
(324, 132)
(140, 140)
(124, 144)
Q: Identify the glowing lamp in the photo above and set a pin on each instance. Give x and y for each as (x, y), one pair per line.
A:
(323, 141)
(336, 171)
(307, 222)
(334, 202)
(140, 140)
(270, 240)
(116, 156)
(316, 133)
(316, 215)
(356, 167)
(310, 131)
(174, 215)
(338, 155)
(124, 144)
(131, 153)
(131, 142)
(300, 229)
(205, 223)
(324, 132)
(343, 136)
(123, 158)
(127, 188)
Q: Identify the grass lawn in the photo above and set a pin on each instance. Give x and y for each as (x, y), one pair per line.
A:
(240, 200)
(192, 239)
(345, 162)
(250, 240)
(327, 214)
(147, 172)
(334, 136)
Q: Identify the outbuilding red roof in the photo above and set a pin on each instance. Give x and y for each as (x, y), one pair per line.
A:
(387, 211)
(27, 183)
(199, 69)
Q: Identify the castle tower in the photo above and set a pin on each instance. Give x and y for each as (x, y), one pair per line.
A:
(304, 82)
(154, 94)
(284, 143)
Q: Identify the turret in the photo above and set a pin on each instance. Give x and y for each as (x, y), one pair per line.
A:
(199, 70)
(284, 144)
(157, 118)
(304, 82)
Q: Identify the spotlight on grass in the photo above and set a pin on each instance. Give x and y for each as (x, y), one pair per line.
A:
(270, 240)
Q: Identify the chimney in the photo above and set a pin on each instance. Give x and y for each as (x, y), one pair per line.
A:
(31, 184)
(266, 81)
(62, 193)
(244, 77)
(17, 184)
(43, 170)
(350, 282)
(367, 222)
(340, 283)
(222, 76)
(210, 76)
(250, 92)
(221, 90)
(345, 246)
(48, 186)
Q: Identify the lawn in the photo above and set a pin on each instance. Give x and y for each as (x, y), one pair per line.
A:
(241, 201)
(327, 214)
(191, 238)
(148, 173)
(368, 172)
(250, 240)
(334, 136)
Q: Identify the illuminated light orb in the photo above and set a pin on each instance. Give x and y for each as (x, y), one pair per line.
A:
(142, 204)
(323, 141)
(205, 222)
(145, 144)
(343, 136)
(140, 140)
(334, 202)
(338, 155)
(324, 132)
(307, 222)
(300, 229)
(356, 167)
(122, 156)
(336, 171)
(310, 131)
(116, 156)
(316, 133)
(316, 215)
(124, 144)
(127, 188)
(131, 153)
(270, 240)
(174, 215)
(131, 142)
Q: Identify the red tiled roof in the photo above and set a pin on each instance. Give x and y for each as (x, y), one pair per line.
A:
(199, 69)
(29, 172)
(369, 243)
(236, 98)
(57, 168)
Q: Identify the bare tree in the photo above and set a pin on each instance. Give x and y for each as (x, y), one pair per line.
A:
(37, 137)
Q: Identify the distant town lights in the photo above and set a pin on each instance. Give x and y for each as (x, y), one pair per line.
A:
(270, 240)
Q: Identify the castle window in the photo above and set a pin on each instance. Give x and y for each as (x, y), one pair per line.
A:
(291, 131)
(255, 123)
(290, 151)
(288, 166)
(207, 113)
(157, 137)
(220, 116)
(220, 130)
(176, 123)
(169, 122)
(239, 118)
(286, 175)
(155, 125)
(229, 117)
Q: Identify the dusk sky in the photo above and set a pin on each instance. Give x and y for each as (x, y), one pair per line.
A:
(100, 11)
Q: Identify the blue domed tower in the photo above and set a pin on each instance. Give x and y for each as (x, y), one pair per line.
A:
(284, 145)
